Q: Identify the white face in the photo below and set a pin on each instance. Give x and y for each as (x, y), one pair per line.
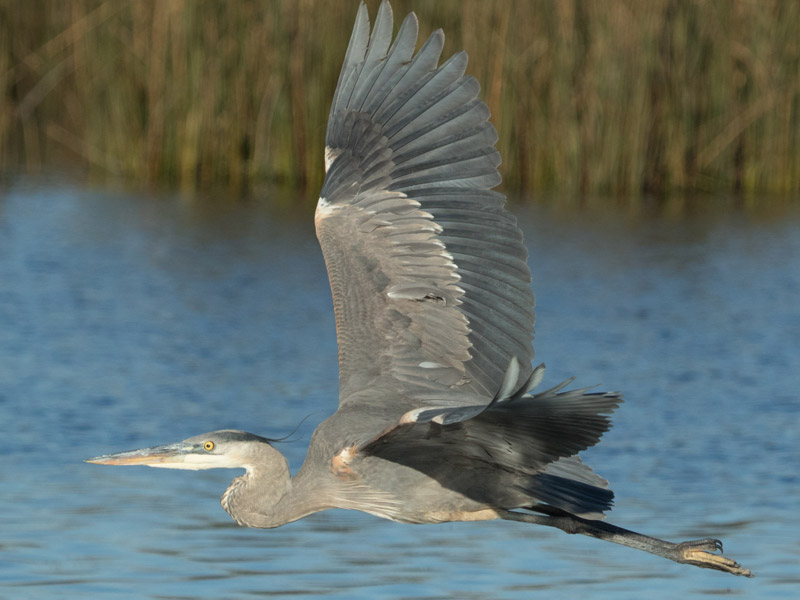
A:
(208, 451)
(197, 462)
(209, 455)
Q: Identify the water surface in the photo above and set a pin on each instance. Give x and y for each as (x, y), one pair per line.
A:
(128, 320)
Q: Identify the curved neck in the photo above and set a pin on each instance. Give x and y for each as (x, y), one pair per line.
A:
(265, 496)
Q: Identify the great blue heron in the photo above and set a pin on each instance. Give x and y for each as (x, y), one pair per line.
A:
(438, 419)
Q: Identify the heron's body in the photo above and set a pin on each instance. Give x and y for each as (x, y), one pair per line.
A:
(268, 496)
(439, 415)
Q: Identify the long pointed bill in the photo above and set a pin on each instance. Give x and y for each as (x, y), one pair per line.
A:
(168, 456)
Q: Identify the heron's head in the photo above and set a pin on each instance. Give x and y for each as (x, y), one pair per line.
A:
(224, 449)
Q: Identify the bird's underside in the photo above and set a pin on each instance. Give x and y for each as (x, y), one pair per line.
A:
(439, 416)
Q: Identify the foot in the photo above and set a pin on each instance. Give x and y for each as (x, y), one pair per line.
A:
(701, 553)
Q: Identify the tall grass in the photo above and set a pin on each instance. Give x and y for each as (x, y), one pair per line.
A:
(618, 97)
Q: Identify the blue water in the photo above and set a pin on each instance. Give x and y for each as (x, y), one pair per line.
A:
(131, 319)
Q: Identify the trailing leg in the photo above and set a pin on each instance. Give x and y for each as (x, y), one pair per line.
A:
(701, 553)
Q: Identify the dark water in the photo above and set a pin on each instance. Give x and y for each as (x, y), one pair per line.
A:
(130, 320)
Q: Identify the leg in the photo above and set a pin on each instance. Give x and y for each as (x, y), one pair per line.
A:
(700, 553)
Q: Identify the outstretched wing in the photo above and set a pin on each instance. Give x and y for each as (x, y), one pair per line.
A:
(431, 289)
(428, 272)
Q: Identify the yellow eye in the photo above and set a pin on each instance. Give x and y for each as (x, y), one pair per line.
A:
(209, 445)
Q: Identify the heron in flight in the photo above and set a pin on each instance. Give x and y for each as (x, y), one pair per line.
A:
(440, 418)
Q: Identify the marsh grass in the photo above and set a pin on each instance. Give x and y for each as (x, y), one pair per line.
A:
(618, 97)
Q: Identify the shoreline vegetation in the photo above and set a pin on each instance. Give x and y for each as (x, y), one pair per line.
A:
(618, 98)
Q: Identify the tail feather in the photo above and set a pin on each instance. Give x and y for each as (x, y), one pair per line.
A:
(580, 499)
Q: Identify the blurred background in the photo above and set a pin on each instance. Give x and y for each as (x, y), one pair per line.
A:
(160, 277)
(619, 98)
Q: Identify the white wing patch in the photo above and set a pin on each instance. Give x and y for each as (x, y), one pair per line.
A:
(324, 210)
(330, 156)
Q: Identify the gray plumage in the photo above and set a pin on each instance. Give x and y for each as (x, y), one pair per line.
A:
(430, 278)
(438, 416)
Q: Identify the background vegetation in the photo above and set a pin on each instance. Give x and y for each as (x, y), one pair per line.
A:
(616, 97)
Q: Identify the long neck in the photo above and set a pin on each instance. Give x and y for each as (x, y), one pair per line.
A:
(265, 496)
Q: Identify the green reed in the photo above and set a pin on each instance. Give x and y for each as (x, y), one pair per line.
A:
(616, 97)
